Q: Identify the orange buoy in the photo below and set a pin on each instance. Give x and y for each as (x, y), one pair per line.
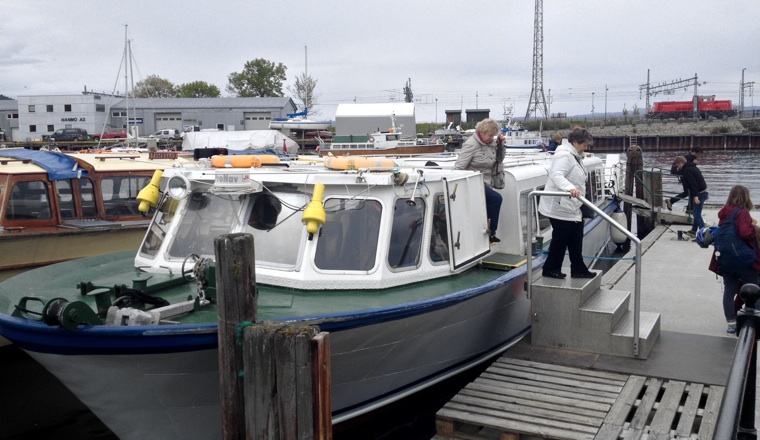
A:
(243, 160)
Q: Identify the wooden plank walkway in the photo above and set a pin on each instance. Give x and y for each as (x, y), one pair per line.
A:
(516, 399)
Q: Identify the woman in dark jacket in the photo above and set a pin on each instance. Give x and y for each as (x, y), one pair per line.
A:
(733, 280)
(697, 188)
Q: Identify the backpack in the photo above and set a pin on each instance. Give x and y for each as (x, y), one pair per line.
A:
(731, 251)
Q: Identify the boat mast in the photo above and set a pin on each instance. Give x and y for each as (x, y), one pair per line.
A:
(126, 83)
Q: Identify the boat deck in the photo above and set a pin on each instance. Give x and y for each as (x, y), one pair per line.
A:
(675, 393)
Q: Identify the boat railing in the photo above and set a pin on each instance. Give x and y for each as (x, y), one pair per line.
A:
(637, 284)
(736, 418)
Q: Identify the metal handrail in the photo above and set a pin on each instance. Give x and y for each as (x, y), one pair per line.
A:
(736, 418)
(612, 222)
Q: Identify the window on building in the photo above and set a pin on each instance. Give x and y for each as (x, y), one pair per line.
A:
(67, 107)
(12, 115)
(50, 128)
(101, 108)
(32, 129)
(49, 108)
(31, 108)
(119, 114)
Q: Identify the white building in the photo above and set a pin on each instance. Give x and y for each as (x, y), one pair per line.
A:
(364, 119)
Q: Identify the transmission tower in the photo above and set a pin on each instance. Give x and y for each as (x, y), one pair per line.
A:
(537, 101)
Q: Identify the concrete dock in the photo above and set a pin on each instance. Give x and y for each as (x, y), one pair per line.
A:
(693, 347)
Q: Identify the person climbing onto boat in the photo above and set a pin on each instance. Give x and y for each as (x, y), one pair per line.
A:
(567, 174)
(695, 186)
(554, 142)
(479, 153)
(693, 155)
(734, 278)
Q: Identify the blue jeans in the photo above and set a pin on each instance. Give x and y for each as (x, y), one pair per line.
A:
(696, 211)
(493, 206)
(732, 283)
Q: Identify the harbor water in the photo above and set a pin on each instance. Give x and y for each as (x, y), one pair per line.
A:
(36, 405)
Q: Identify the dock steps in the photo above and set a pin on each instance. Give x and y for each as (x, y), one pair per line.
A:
(577, 314)
(518, 399)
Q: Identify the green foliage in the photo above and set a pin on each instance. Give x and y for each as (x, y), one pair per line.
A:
(197, 89)
(153, 86)
(259, 77)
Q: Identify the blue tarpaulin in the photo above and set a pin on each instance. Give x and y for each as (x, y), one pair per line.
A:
(59, 166)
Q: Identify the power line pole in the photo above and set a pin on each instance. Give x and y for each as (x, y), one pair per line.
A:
(537, 101)
(669, 88)
(745, 85)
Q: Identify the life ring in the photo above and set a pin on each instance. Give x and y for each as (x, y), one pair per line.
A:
(243, 160)
(371, 139)
(355, 163)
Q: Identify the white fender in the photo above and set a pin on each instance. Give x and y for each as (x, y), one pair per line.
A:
(617, 236)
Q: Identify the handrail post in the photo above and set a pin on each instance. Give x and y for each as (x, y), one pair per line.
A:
(613, 223)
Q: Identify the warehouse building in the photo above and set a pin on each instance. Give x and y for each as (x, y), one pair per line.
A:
(33, 118)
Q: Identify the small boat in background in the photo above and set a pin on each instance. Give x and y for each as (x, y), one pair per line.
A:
(390, 143)
(518, 138)
(56, 207)
(299, 122)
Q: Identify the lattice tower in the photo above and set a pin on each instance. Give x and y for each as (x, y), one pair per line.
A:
(537, 101)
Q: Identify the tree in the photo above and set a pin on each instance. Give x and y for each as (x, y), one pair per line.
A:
(260, 77)
(303, 92)
(197, 89)
(153, 86)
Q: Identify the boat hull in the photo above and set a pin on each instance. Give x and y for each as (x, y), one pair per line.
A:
(21, 250)
(377, 356)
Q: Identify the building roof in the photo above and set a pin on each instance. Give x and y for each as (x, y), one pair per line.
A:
(8, 104)
(208, 103)
(400, 109)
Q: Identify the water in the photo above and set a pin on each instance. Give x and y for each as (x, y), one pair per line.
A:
(721, 169)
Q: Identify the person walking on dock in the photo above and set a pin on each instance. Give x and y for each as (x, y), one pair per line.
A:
(696, 187)
(737, 205)
(693, 155)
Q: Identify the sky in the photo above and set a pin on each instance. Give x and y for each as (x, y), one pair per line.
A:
(597, 54)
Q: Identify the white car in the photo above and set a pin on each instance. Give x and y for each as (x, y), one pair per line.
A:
(167, 133)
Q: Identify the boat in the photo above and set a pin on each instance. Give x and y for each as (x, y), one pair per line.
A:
(56, 206)
(298, 121)
(389, 143)
(518, 138)
(391, 256)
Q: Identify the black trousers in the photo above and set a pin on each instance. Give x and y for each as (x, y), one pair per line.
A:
(566, 236)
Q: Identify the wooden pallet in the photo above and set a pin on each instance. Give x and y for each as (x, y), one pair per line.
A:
(515, 398)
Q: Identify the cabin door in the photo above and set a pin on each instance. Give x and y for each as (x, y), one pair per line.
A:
(468, 226)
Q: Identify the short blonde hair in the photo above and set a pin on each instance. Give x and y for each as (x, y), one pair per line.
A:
(679, 160)
(488, 125)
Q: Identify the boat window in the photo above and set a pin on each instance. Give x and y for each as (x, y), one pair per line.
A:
(87, 197)
(29, 200)
(120, 194)
(406, 235)
(65, 199)
(275, 223)
(207, 216)
(439, 235)
(595, 185)
(348, 239)
(157, 231)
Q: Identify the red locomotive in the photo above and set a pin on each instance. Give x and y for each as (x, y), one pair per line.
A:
(705, 106)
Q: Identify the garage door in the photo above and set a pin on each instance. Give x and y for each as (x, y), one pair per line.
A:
(257, 120)
(168, 120)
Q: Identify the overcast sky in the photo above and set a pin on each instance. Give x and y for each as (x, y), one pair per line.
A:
(457, 54)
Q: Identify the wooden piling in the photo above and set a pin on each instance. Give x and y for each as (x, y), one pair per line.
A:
(633, 163)
(236, 303)
(287, 382)
(276, 384)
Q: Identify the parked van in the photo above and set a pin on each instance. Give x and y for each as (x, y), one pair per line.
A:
(167, 133)
(69, 134)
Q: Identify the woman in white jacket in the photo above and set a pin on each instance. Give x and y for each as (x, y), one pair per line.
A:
(567, 174)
